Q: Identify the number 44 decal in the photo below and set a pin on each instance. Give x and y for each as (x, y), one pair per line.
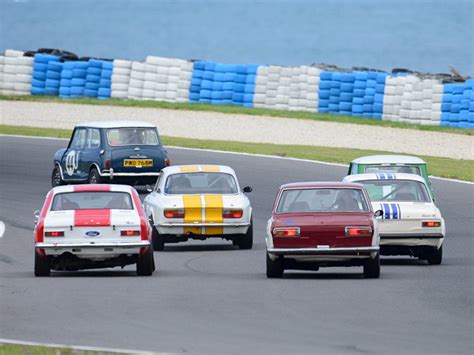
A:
(72, 162)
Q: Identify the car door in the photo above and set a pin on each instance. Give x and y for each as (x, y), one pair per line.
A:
(91, 152)
(70, 162)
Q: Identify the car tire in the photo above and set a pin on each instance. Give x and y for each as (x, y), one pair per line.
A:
(157, 239)
(236, 241)
(56, 179)
(42, 266)
(372, 268)
(145, 263)
(275, 268)
(246, 240)
(94, 177)
(436, 256)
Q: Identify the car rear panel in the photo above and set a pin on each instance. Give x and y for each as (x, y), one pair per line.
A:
(141, 159)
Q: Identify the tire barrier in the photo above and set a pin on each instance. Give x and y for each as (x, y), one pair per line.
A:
(400, 96)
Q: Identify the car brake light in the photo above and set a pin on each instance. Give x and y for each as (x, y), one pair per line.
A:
(54, 234)
(129, 233)
(174, 213)
(431, 224)
(358, 231)
(232, 213)
(107, 164)
(286, 232)
(167, 162)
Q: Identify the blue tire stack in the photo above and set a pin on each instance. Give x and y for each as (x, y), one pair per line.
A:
(347, 93)
(94, 69)
(239, 85)
(249, 89)
(53, 77)
(207, 83)
(470, 95)
(66, 79)
(222, 85)
(105, 80)
(335, 93)
(40, 69)
(467, 104)
(78, 80)
(379, 92)
(325, 83)
(369, 94)
(360, 85)
(196, 80)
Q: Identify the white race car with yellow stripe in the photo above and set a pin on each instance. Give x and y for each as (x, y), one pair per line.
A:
(411, 223)
(199, 202)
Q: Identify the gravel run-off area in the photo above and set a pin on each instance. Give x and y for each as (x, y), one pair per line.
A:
(245, 128)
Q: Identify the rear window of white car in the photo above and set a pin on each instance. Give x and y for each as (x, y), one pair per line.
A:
(396, 190)
(407, 169)
(132, 136)
(92, 200)
(201, 183)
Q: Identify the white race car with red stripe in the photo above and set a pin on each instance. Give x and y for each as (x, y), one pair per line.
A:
(199, 202)
(92, 226)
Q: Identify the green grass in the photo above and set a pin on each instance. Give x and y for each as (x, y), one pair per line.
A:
(240, 110)
(443, 167)
(13, 349)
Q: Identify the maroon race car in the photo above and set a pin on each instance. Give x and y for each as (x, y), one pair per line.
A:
(318, 224)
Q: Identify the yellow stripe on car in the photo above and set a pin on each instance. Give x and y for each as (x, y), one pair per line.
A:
(189, 168)
(214, 209)
(192, 213)
(210, 168)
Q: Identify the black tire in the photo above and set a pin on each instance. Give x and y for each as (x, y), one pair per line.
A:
(42, 266)
(436, 256)
(235, 241)
(246, 240)
(372, 268)
(94, 177)
(145, 263)
(56, 177)
(157, 240)
(275, 268)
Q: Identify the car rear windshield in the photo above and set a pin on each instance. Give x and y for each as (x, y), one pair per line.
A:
(407, 169)
(92, 200)
(201, 183)
(322, 200)
(396, 190)
(132, 136)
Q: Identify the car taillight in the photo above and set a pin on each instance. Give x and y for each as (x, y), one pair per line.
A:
(129, 233)
(431, 224)
(232, 213)
(286, 232)
(358, 231)
(174, 213)
(167, 162)
(107, 164)
(54, 234)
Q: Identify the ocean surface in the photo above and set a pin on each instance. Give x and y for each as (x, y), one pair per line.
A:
(424, 35)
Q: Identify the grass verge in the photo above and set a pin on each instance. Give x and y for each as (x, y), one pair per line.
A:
(443, 167)
(14, 349)
(241, 110)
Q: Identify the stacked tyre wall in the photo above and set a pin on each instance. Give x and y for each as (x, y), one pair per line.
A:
(401, 96)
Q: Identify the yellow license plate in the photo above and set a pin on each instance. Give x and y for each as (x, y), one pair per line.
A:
(137, 162)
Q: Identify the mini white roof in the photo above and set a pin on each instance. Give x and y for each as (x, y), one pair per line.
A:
(175, 169)
(389, 159)
(115, 124)
(383, 176)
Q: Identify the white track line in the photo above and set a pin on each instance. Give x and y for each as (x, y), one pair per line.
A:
(250, 155)
(74, 347)
(2, 229)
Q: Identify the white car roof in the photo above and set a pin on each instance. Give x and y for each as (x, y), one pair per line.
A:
(384, 176)
(116, 124)
(92, 188)
(389, 159)
(198, 168)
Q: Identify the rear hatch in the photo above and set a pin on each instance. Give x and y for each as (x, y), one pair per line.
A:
(136, 159)
(322, 230)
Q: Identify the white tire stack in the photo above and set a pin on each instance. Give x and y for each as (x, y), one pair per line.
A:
(9, 71)
(120, 78)
(24, 75)
(394, 89)
(137, 79)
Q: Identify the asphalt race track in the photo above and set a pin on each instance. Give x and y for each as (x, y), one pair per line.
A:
(208, 297)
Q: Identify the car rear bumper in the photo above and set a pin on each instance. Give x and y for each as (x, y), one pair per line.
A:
(207, 229)
(111, 174)
(96, 249)
(325, 253)
(411, 239)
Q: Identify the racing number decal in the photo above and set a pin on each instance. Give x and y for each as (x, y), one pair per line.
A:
(72, 162)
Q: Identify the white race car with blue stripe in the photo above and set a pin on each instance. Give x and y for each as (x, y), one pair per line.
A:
(411, 223)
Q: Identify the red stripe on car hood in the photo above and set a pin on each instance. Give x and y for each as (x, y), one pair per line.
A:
(98, 218)
(91, 187)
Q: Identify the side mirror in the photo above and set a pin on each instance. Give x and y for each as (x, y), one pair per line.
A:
(148, 188)
(36, 213)
(378, 213)
(247, 189)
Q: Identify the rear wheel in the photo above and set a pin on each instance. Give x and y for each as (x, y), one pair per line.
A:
(94, 177)
(145, 263)
(246, 240)
(56, 179)
(157, 240)
(436, 256)
(42, 266)
(275, 267)
(372, 268)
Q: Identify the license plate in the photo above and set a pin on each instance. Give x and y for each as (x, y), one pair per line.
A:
(138, 163)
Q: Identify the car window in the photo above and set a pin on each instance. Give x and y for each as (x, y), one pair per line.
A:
(407, 169)
(322, 200)
(397, 190)
(201, 183)
(132, 136)
(93, 138)
(79, 139)
(92, 200)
